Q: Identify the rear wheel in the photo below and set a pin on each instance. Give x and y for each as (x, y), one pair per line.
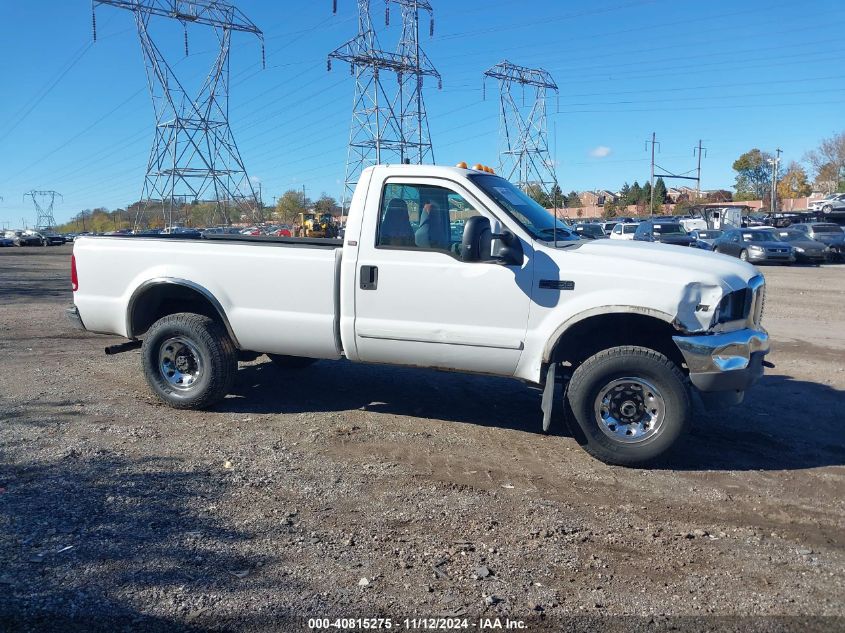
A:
(189, 360)
(631, 405)
(291, 362)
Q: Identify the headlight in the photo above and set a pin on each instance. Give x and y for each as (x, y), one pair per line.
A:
(733, 306)
(798, 249)
(758, 249)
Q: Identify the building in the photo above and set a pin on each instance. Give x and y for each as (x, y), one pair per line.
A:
(597, 198)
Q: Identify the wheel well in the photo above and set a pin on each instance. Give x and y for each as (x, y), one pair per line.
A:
(597, 333)
(161, 300)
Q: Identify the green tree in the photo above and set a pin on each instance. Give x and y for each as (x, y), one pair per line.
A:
(291, 204)
(573, 200)
(753, 175)
(538, 194)
(794, 183)
(645, 194)
(634, 194)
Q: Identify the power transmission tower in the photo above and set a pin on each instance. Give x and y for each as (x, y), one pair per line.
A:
(524, 155)
(387, 125)
(194, 153)
(416, 136)
(43, 201)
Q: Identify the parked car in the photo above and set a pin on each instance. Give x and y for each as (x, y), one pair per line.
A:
(590, 231)
(22, 238)
(758, 246)
(807, 249)
(833, 202)
(705, 238)
(691, 224)
(49, 238)
(825, 232)
(6, 241)
(665, 232)
(607, 227)
(523, 302)
(624, 231)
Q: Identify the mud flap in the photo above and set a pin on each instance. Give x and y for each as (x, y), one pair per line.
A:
(547, 403)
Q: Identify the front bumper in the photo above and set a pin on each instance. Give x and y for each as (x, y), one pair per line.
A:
(731, 361)
(72, 315)
(771, 258)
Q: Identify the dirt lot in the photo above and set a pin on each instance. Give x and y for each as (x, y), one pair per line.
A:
(345, 490)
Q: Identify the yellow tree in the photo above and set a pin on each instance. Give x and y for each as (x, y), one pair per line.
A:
(794, 183)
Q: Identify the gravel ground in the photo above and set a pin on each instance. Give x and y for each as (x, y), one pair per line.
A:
(371, 491)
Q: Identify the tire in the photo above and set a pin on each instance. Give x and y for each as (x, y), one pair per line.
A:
(743, 255)
(827, 208)
(189, 360)
(291, 362)
(627, 381)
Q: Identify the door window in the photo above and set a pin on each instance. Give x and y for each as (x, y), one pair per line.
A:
(422, 217)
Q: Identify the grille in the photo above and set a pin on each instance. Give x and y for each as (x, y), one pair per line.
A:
(758, 303)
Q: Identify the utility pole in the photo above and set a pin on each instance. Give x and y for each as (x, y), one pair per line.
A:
(653, 143)
(697, 151)
(778, 152)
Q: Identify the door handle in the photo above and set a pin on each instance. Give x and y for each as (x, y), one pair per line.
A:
(369, 277)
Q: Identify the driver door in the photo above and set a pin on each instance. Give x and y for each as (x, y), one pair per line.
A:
(417, 303)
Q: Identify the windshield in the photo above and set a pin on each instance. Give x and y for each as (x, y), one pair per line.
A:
(760, 236)
(668, 228)
(826, 228)
(589, 229)
(708, 235)
(791, 236)
(541, 224)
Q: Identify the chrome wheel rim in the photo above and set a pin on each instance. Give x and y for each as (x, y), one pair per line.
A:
(180, 363)
(743, 256)
(630, 410)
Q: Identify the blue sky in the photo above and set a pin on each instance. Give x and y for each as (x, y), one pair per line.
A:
(76, 116)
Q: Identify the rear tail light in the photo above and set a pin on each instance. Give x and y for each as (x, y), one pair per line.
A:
(74, 280)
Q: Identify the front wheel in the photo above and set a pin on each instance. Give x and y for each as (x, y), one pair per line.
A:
(631, 405)
(743, 255)
(189, 360)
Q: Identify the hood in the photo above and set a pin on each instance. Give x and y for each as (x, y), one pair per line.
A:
(830, 238)
(809, 245)
(667, 260)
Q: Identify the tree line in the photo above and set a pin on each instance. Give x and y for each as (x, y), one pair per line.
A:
(198, 214)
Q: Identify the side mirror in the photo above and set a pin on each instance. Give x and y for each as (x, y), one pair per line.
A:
(477, 244)
(477, 239)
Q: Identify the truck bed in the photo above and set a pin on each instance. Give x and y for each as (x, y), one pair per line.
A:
(267, 287)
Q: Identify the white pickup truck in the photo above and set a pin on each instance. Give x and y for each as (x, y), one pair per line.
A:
(449, 268)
